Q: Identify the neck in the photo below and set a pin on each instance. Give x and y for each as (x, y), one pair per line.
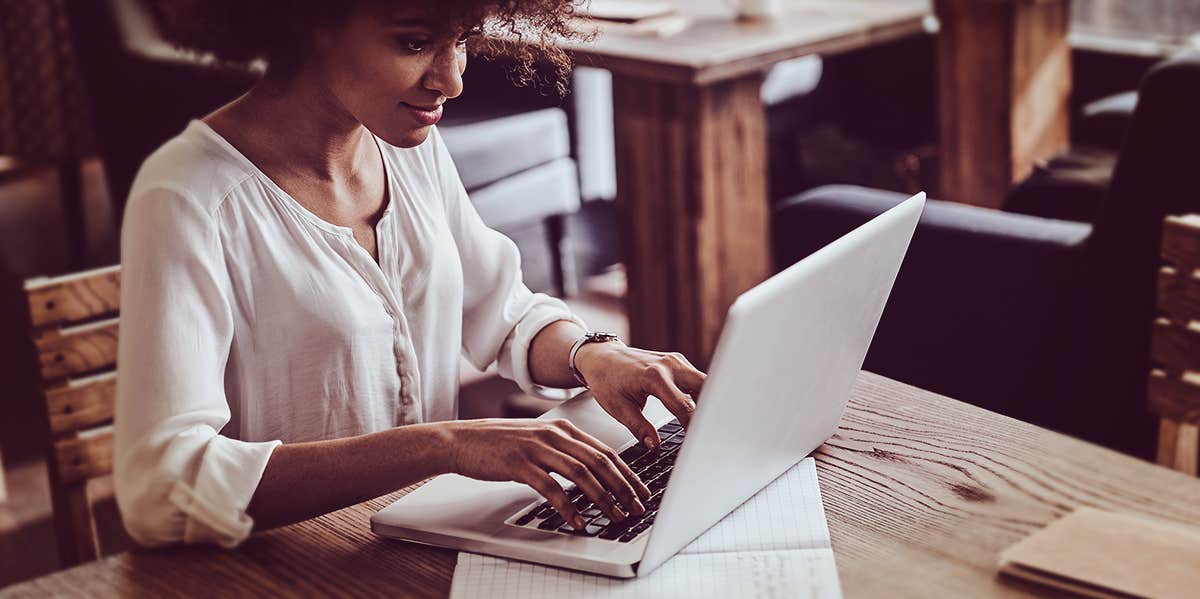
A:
(310, 133)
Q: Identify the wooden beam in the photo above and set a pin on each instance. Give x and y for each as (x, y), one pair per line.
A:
(74, 297)
(77, 350)
(82, 404)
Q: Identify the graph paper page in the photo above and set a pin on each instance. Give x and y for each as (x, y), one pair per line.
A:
(786, 514)
(791, 574)
(774, 545)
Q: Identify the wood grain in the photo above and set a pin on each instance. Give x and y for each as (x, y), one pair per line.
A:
(82, 458)
(74, 524)
(1004, 83)
(922, 493)
(1181, 241)
(1174, 397)
(1178, 294)
(77, 350)
(692, 198)
(82, 404)
(1175, 346)
(1178, 445)
(75, 297)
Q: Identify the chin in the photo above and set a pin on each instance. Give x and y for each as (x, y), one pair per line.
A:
(408, 138)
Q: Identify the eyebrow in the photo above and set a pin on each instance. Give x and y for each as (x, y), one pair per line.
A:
(411, 22)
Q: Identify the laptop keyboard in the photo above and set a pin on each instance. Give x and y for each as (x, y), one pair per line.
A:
(653, 467)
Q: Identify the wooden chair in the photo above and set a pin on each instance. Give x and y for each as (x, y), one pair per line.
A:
(73, 324)
(1174, 384)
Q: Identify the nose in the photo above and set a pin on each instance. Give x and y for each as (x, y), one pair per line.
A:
(445, 73)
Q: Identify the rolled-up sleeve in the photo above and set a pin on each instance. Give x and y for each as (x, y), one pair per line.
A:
(501, 316)
(177, 479)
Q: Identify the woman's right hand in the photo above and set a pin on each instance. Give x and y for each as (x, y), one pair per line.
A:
(528, 450)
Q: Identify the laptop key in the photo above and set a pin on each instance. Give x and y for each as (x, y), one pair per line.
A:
(591, 512)
(552, 523)
(526, 518)
(629, 536)
(610, 534)
(592, 530)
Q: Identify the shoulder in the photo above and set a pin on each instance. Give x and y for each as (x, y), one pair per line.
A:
(193, 168)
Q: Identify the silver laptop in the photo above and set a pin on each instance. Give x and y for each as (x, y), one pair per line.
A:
(780, 378)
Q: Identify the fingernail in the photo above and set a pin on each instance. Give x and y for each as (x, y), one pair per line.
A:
(638, 508)
(651, 442)
(577, 523)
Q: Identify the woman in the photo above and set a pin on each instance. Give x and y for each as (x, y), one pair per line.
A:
(302, 270)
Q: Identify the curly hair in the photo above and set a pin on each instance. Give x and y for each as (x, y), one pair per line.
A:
(278, 31)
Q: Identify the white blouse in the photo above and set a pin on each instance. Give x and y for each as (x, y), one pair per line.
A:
(247, 321)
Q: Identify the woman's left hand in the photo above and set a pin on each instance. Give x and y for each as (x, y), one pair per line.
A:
(621, 377)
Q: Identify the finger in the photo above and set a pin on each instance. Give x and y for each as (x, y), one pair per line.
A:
(547, 487)
(689, 380)
(675, 400)
(612, 471)
(578, 473)
(627, 413)
(686, 376)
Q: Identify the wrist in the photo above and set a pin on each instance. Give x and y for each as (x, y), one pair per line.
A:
(445, 441)
(590, 358)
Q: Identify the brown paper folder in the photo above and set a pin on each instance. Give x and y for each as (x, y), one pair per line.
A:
(1103, 554)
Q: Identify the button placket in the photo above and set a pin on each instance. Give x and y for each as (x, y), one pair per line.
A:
(402, 349)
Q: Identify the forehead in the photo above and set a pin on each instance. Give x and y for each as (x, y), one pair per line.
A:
(422, 15)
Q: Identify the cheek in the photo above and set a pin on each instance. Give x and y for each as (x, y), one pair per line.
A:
(372, 89)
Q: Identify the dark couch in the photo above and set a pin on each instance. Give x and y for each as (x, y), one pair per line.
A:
(1044, 320)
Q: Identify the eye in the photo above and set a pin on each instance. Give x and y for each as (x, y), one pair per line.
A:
(468, 34)
(413, 45)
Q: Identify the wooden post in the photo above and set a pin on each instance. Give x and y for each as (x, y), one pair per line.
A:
(692, 198)
(1004, 80)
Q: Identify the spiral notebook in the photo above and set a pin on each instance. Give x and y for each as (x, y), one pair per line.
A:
(774, 545)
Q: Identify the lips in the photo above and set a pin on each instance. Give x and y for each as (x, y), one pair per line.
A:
(425, 115)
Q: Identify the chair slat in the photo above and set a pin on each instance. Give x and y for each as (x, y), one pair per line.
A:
(1178, 294)
(82, 458)
(73, 298)
(82, 404)
(1181, 241)
(77, 350)
(1175, 347)
(1173, 397)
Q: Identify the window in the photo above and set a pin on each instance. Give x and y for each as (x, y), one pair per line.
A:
(1165, 25)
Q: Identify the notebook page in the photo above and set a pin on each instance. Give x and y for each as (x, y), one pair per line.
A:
(791, 574)
(786, 514)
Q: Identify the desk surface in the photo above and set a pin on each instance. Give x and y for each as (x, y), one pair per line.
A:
(922, 492)
(713, 45)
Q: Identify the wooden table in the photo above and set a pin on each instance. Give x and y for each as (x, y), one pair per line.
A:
(691, 151)
(922, 493)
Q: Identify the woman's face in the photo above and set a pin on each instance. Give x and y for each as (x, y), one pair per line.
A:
(392, 71)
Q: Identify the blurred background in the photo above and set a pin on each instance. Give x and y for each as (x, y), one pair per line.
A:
(1055, 134)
